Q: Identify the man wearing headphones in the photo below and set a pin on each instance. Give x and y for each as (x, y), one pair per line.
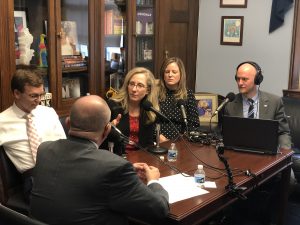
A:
(253, 103)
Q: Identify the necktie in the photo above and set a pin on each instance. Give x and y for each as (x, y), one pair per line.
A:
(32, 134)
(251, 108)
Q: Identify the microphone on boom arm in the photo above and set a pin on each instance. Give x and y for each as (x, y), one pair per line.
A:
(229, 98)
(146, 105)
(181, 105)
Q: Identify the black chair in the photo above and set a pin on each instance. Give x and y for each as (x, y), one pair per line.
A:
(11, 185)
(62, 120)
(11, 217)
(291, 107)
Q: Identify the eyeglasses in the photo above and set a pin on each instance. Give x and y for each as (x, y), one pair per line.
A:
(138, 86)
(36, 96)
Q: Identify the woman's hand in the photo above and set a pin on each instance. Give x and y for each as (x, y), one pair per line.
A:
(162, 138)
(116, 121)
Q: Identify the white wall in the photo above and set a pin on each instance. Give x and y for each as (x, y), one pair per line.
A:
(216, 64)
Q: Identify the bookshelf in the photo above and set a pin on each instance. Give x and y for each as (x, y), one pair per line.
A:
(107, 43)
(116, 41)
(145, 34)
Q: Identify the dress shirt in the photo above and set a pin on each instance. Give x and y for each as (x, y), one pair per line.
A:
(246, 106)
(13, 134)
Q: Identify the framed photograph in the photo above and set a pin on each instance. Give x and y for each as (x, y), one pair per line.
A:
(232, 30)
(20, 23)
(233, 3)
(207, 105)
(69, 38)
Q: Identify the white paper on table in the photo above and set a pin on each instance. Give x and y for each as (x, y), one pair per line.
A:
(180, 187)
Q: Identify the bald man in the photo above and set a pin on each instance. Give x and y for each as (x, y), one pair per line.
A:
(77, 183)
(265, 105)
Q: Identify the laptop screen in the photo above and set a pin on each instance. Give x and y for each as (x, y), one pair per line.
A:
(252, 135)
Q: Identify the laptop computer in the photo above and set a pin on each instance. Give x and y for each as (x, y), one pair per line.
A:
(251, 135)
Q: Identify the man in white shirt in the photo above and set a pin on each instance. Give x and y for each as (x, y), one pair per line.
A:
(27, 88)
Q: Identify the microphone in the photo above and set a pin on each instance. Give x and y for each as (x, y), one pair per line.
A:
(122, 137)
(156, 149)
(181, 105)
(229, 98)
(146, 105)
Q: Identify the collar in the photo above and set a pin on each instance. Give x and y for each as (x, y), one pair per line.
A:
(170, 91)
(94, 143)
(254, 98)
(19, 112)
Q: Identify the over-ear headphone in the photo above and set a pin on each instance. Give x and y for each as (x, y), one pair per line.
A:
(258, 76)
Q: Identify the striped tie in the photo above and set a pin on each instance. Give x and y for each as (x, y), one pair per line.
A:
(251, 108)
(32, 134)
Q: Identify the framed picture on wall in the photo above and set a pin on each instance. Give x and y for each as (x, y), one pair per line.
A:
(206, 105)
(232, 30)
(233, 3)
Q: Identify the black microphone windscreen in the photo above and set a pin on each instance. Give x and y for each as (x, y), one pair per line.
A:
(146, 105)
(180, 102)
(230, 96)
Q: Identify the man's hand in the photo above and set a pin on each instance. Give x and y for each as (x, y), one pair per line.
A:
(145, 172)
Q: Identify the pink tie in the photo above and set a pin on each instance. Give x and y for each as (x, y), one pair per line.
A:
(32, 134)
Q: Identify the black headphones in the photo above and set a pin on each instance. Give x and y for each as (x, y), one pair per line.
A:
(258, 76)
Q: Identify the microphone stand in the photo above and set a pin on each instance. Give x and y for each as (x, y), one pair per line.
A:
(156, 149)
(231, 187)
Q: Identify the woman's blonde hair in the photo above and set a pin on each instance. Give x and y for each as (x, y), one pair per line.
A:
(123, 97)
(181, 92)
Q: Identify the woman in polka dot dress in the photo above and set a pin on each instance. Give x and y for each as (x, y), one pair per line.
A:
(172, 87)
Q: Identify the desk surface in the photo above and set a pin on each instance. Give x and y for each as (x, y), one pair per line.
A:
(197, 209)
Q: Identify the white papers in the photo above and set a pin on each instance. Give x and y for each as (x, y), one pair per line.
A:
(180, 187)
(210, 184)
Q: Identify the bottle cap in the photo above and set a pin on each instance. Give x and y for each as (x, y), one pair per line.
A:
(200, 167)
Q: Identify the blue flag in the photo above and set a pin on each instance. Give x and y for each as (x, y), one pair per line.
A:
(279, 8)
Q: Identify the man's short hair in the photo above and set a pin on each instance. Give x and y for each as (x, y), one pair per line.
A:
(26, 75)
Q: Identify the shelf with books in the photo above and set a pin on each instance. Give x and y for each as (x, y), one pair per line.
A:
(114, 21)
(144, 21)
(144, 3)
(74, 69)
(144, 49)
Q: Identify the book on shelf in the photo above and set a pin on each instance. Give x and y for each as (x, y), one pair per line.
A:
(69, 38)
(108, 21)
(144, 21)
(73, 61)
(147, 54)
(114, 22)
(144, 2)
(115, 1)
(70, 88)
(46, 99)
(144, 50)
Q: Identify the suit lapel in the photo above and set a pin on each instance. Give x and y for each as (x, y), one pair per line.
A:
(263, 106)
(238, 106)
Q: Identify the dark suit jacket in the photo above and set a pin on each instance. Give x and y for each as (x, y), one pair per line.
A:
(146, 131)
(77, 183)
(270, 107)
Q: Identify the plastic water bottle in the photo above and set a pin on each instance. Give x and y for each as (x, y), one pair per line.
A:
(199, 175)
(172, 153)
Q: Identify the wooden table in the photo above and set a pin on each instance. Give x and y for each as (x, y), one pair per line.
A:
(198, 209)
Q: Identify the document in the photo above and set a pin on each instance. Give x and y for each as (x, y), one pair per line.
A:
(181, 187)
